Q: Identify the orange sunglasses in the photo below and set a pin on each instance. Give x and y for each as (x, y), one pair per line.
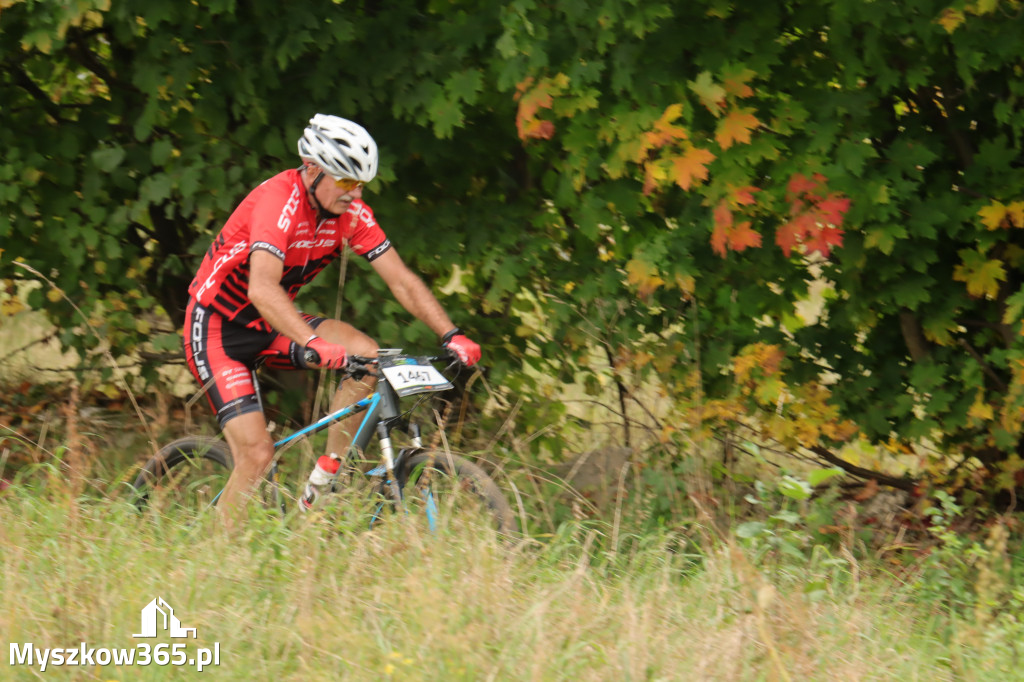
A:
(347, 184)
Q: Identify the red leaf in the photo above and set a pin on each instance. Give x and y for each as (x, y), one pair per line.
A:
(832, 209)
(808, 229)
(723, 222)
(798, 185)
(722, 215)
(793, 232)
(823, 240)
(719, 239)
(815, 221)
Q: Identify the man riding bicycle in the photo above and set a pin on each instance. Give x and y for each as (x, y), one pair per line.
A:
(241, 305)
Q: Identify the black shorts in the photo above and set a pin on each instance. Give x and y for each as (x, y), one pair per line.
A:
(223, 354)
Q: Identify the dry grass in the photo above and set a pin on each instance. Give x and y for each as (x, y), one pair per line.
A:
(323, 599)
(326, 599)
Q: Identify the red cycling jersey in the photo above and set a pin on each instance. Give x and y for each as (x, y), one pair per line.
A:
(277, 217)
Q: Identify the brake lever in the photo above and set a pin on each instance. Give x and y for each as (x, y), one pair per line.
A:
(359, 367)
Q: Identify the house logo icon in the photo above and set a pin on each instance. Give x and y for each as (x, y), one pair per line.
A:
(158, 614)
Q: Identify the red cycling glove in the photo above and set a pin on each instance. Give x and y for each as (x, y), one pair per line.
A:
(467, 351)
(321, 353)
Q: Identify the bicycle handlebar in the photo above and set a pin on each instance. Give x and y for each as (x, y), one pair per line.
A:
(358, 366)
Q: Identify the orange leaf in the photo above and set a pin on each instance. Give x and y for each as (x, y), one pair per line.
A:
(532, 100)
(643, 276)
(664, 132)
(736, 127)
(738, 238)
(726, 236)
(536, 129)
(691, 166)
(744, 196)
(736, 83)
(743, 237)
(950, 19)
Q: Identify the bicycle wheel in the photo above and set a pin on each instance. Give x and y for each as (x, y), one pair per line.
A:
(442, 485)
(186, 476)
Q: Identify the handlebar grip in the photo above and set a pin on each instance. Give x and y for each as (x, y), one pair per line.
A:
(310, 357)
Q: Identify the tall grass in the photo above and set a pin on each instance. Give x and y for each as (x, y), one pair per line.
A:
(325, 598)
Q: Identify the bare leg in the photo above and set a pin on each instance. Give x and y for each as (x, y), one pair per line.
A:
(252, 450)
(341, 433)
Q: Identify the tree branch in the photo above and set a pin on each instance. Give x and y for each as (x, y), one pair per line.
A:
(907, 484)
(623, 394)
(940, 115)
(22, 79)
(77, 48)
(985, 367)
(913, 336)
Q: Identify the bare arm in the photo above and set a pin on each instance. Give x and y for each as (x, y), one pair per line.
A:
(411, 292)
(270, 298)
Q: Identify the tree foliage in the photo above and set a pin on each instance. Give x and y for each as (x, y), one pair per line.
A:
(668, 180)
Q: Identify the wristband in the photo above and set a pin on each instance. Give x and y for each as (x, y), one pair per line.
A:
(450, 335)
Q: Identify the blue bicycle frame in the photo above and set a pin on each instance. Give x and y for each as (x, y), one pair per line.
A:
(382, 410)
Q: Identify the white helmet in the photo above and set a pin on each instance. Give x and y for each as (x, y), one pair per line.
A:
(342, 148)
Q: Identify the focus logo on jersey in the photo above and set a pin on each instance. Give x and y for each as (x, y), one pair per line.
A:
(311, 244)
(362, 213)
(284, 221)
(278, 218)
(223, 260)
(370, 255)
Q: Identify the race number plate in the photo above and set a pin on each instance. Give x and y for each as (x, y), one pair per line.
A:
(407, 379)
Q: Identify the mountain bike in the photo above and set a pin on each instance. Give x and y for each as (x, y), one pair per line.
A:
(189, 473)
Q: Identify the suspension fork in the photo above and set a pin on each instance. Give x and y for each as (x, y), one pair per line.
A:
(386, 416)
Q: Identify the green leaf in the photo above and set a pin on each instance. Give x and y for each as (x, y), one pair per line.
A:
(161, 151)
(711, 95)
(107, 159)
(981, 275)
(751, 529)
(446, 115)
(819, 476)
(465, 86)
(795, 488)
(788, 517)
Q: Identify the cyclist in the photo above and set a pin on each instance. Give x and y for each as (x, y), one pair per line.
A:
(241, 303)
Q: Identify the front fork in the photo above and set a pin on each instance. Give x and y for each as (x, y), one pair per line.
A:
(387, 468)
(388, 455)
